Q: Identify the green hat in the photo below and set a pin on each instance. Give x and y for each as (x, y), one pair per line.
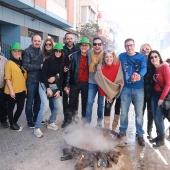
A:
(58, 46)
(16, 46)
(84, 40)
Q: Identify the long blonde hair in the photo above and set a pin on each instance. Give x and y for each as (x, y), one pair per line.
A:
(115, 59)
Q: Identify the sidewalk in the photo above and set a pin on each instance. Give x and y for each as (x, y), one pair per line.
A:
(24, 151)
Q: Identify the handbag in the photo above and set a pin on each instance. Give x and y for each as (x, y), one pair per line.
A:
(53, 90)
(166, 105)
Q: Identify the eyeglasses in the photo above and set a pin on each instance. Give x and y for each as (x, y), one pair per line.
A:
(130, 45)
(95, 44)
(58, 51)
(108, 51)
(152, 57)
(48, 44)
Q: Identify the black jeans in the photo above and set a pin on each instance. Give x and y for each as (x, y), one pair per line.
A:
(149, 112)
(74, 97)
(65, 104)
(3, 106)
(19, 100)
(108, 107)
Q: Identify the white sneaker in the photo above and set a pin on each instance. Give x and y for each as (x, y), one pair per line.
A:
(52, 126)
(38, 133)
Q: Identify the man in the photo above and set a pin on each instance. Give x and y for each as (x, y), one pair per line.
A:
(32, 62)
(3, 102)
(134, 68)
(77, 78)
(95, 56)
(69, 49)
(1, 54)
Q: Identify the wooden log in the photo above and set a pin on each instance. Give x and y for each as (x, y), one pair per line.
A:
(83, 164)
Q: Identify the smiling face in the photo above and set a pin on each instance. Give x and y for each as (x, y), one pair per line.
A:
(84, 48)
(58, 53)
(145, 50)
(155, 59)
(36, 41)
(97, 46)
(130, 47)
(16, 54)
(48, 45)
(108, 58)
(69, 40)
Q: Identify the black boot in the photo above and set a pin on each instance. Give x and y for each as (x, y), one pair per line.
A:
(153, 140)
(169, 134)
(149, 132)
(160, 141)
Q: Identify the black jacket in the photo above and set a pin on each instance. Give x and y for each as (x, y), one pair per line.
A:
(32, 61)
(52, 68)
(72, 76)
(148, 83)
(66, 59)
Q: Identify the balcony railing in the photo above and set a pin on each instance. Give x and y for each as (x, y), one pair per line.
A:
(5, 50)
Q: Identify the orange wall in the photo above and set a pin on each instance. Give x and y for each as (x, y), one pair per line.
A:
(70, 11)
(41, 3)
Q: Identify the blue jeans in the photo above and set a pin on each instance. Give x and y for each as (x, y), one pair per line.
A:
(45, 106)
(158, 115)
(92, 91)
(33, 102)
(127, 96)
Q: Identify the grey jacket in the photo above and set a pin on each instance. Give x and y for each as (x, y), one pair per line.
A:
(32, 61)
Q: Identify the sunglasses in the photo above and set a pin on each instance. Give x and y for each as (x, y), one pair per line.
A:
(108, 51)
(152, 57)
(48, 45)
(145, 49)
(95, 44)
(58, 51)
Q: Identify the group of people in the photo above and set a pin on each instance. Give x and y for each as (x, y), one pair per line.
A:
(43, 76)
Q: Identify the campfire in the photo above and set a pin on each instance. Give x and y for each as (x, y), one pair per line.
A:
(95, 159)
(93, 147)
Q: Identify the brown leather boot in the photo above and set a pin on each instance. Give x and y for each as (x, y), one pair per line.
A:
(141, 141)
(115, 122)
(107, 122)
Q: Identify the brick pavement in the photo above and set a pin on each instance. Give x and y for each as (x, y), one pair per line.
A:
(24, 151)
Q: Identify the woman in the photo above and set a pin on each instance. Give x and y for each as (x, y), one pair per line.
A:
(47, 47)
(112, 73)
(15, 87)
(148, 87)
(52, 69)
(161, 78)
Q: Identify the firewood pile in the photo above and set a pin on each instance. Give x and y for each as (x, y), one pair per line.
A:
(94, 159)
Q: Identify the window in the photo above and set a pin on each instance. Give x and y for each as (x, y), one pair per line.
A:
(55, 38)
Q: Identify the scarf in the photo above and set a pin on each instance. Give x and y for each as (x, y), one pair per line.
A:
(95, 60)
(18, 62)
(111, 89)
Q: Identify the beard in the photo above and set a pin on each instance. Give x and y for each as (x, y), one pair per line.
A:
(69, 44)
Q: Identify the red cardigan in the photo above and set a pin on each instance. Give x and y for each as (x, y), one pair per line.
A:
(110, 73)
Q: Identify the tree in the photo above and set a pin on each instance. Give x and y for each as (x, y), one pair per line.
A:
(89, 30)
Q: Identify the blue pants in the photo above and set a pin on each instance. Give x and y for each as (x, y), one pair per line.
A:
(127, 96)
(33, 102)
(158, 115)
(92, 91)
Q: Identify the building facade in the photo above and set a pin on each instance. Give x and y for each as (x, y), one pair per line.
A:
(19, 20)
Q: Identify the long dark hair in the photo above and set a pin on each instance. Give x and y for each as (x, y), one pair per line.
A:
(61, 57)
(150, 65)
(44, 51)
